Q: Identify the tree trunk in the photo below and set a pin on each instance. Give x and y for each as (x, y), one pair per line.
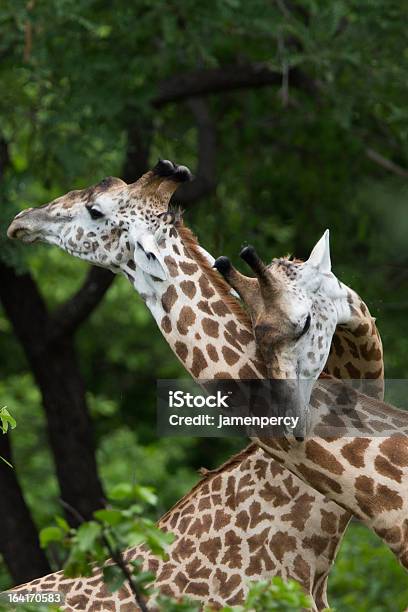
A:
(55, 368)
(19, 543)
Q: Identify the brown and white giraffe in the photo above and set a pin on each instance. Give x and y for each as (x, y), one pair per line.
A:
(293, 311)
(128, 229)
(248, 520)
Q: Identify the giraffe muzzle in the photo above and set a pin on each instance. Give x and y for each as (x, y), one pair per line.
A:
(20, 231)
(286, 400)
(28, 225)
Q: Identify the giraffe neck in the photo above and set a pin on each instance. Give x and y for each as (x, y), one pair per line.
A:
(245, 521)
(208, 331)
(366, 474)
(356, 350)
(204, 325)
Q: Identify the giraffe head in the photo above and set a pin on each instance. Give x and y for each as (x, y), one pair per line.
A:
(111, 224)
(295, 307)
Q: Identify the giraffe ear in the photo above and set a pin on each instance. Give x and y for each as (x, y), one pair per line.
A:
(320, 255)
(146, 252)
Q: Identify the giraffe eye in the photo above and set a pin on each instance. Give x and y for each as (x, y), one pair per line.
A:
(306, 325)
(95, 213)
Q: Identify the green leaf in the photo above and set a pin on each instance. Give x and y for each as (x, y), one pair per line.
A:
(50, 534)
(157, 544)
(121, 491)
(125, 491)
(87, 534)
(145, 494)
(276, 594)
(62, 524)
(133, 510)
(77, 564)
(112, 517)
(113, 577)
(135, 538)
(6, 420)
(182, 605)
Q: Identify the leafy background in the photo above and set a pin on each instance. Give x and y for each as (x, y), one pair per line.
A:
(325, 145)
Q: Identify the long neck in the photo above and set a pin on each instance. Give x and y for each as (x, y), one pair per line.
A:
(206, 327)
(366, 474)
(208, 333)
(251, 525)
(356, 350)
(235, 526)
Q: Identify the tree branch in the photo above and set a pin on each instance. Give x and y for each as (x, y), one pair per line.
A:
(204, 181)
(385, 163)
(139, 133)
(227, 78)
(70, 315)
(116, 557)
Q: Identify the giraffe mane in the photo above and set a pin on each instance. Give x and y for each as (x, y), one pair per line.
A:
(286, 260)
(207, 476)
(191, 243)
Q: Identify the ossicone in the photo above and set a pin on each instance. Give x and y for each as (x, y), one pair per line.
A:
(167, 169)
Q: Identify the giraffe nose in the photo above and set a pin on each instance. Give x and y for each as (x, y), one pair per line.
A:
(24, 225)
(13, 229)
(17, 229)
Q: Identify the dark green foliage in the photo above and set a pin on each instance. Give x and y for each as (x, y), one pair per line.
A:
(265, 596)
(366, 576)
(117, 527)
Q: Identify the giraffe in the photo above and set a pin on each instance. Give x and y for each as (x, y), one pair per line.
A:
(368, 476)
(131, 230)
(236, 525)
